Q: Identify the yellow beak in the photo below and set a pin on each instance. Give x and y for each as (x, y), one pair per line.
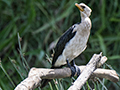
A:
(79, 7)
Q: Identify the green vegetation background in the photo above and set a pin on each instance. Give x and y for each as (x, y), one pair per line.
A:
(30, 28)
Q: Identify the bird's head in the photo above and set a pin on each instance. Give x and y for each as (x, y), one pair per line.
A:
(84, 9)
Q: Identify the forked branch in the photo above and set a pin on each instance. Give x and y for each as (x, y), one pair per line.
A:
(37, 74)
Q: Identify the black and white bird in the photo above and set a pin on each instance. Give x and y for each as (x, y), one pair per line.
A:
(73, 42)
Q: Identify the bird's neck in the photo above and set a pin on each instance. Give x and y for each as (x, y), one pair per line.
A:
(83, 17)
(86, 21)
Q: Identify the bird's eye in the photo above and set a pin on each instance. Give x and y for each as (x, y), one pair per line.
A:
(83, 7)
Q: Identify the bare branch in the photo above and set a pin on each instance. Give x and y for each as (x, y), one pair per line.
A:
(96, 60)
(37, 74)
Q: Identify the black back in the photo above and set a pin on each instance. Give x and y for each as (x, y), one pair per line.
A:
(64, 39)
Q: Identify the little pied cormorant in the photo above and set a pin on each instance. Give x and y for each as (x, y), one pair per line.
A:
(73, 42)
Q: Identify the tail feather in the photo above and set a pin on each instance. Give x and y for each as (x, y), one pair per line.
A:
(45, 82)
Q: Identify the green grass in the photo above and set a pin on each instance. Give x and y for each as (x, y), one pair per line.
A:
(28, 27)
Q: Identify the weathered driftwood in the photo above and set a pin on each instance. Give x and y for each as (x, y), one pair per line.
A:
(89, 69)
(37, 74)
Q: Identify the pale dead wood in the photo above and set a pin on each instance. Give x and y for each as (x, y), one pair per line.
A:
(34, 80)
(37, 74)
(89, 69)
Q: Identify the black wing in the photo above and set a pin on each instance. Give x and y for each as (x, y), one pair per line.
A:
(66, 37)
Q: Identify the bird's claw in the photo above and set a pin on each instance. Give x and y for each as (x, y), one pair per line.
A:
(77, 70)
(74, 68)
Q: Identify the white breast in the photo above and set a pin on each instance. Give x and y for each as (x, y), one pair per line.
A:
(76, 45)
